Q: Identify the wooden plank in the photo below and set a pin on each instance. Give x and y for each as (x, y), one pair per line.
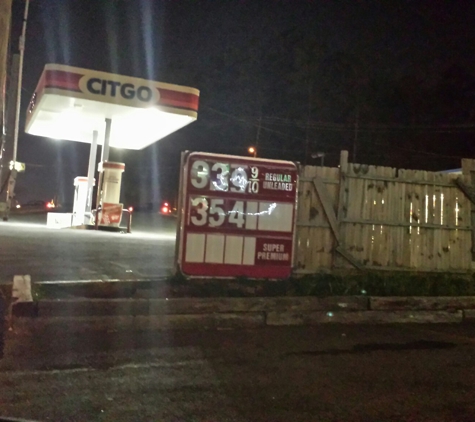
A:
(349, 257)
(422, 265)
(318, 240)
(327, 206)
(354, 206)
(464, 237)
(407, 233)
(415, 224)
(449, 237)
(342, 193)
(313, 242)
(416, 180)
(455, 239)
(441, 219)
(468, 170)
(305, 198)
(389, 214)
(430, 218)
(397, 205)
(366, 187)
(333, 173)
(379, 244)
(446, 235)
(415, 231)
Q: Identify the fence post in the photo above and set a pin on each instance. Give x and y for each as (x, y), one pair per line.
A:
(468, 171)
(341, 195)
(3, 311)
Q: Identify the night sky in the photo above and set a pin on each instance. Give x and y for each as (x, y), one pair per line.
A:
(295, 77)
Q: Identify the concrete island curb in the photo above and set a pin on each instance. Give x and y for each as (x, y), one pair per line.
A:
(233, 313)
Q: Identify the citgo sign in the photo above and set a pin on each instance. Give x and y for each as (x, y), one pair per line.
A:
(237, 216)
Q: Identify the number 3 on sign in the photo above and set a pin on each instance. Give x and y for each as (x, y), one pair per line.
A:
(200, 205)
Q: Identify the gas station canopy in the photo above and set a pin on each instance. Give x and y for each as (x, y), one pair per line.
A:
(70, 103)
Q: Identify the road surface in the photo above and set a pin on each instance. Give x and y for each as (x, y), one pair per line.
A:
(28, 247)
(325, 373)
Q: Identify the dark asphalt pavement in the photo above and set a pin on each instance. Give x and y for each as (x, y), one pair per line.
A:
(325, 373)
(28, 247)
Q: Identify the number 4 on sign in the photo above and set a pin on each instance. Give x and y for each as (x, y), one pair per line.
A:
(236, 216)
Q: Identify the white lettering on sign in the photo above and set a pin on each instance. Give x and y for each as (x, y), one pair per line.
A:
(217, 212)
(200, 174)
(128, 91)
(278, 186)
(221, 183)
(273, 256)
(274, 177)
(273, 247)
(224, 177)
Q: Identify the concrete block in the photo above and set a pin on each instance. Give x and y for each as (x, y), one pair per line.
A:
(92, 307)
(203, 321)
(362, 317)
(25, 309)
(257, 304)
(469, 315)
(421, 303)
(143, 322)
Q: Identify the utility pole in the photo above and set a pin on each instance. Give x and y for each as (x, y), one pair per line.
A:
(356, 129)
(307, 128)
(13, 172)
(258, 132)
(5, 19)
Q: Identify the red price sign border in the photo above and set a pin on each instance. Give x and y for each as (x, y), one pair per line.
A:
(188, 191)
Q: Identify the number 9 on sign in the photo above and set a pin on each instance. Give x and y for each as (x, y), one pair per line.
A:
(199, 174)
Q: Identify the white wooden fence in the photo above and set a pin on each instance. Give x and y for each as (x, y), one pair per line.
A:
(384, 218)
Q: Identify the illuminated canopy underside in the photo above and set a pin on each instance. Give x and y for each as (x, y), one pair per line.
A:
(70, 103)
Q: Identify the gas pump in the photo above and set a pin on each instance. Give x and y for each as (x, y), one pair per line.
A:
(111, 210)
(80, 199)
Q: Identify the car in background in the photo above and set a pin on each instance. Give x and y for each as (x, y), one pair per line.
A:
(36, 206)
(167, 209)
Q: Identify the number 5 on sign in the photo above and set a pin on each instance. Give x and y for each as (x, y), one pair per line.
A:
(216, 213)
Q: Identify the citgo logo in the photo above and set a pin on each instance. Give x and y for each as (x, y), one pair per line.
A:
(114, 89)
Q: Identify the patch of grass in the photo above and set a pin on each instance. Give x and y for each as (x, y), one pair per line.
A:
(321, 285)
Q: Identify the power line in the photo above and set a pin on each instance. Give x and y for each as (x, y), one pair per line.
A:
(302, 139)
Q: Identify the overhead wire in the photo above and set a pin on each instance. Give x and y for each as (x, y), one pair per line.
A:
(255, 123)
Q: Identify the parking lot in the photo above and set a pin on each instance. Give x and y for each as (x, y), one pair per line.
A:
(325, 373)
(28, 247)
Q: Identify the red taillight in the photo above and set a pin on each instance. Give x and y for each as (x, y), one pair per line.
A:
(131, 209)
(49, 205)
(165, 210)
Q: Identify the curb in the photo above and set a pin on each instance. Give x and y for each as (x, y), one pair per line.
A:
(233, 313)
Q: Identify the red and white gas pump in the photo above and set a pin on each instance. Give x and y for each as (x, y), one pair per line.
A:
(111, 209)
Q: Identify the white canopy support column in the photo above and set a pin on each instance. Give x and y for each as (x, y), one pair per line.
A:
(90, 176)
(107, 137)
(104, 158)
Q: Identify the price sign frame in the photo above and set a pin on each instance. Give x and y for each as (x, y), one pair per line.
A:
(237, 216)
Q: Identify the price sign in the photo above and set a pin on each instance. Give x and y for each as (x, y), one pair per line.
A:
(237, 216)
